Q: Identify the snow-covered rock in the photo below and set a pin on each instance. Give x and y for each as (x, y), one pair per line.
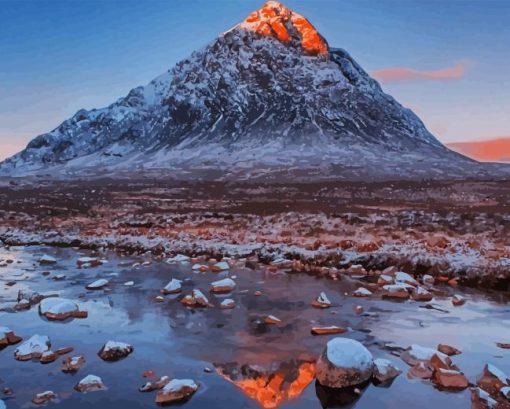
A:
(458, 300)
(344, 362)
(272, 320)
(384, 370)
(91, 383)
(85, 262)
(362, 292)
(221, 266)
(450, 379)
(32, 348)
(199, 267)
(43, 397)
(72, 364)
(196, 299)
(398, 291)
(421, 294)
(401, 277)
(152, 386)
(492, 379)
(176, 390)
(46, 259)
(98, 284)
(417, 353)
(481, 399)
(223, 286)
(113, 351)
(173, 287)
(59, 309)
(228, 304)
(8, 337)
(179, 258)
(48, 357)
(321, 301)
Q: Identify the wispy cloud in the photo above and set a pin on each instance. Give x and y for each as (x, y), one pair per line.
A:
(400, 74)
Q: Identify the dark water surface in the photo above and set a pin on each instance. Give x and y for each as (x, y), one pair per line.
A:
(175, 341)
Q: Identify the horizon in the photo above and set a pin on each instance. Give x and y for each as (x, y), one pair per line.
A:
(91, 56)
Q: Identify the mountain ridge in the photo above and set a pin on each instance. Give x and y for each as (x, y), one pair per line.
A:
(268, 98)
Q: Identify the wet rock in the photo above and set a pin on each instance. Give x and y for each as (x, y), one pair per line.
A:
(480, 399)
(448, 350)
(196, 300)
(59, 309)
(228, 303)
(421, 370)
(97, 285)
(43, 397)
(450, 379)
(458, 300)
(177, 390)
(421, 294)
(156, 385)
(492, 379)
(173, 287)
(321, 301)
(91, 383)
(48, 357)
(114, 351)
(221, 266)
(33, 348)
(8, 337)
(329, 330)
(417, 353)
(344, 362)
(46, 259)
(72, 364)
(272, 320)
(223, 286)
(396, 291)
(362, 292)
(384, 370)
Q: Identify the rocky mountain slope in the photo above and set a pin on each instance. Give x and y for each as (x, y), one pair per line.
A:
(267, 99)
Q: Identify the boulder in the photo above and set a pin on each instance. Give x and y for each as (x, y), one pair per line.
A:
(59, 309)
(44, 397)
(33, 348)
(492, 379)
(91, 383)
(344, 362)
(173, 287)
(72, 364)
(321, 301)
(114, 351)
(384, 370)
(177, 390)
(223, 286)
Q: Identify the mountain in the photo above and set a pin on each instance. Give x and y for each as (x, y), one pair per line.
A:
(490, 150)
(268, 99)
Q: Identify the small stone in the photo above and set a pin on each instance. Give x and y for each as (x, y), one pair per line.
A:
(114, 351)
(458, 300)
(43, 397)
(450, 379)
(221, 266)
(257, 293)
(362, 292)
(129, 283)
(97, 285)
(48, 357)
(46, 259)
(322, 301)
(358, 310)
(196, 299)
(223, 286)
(159, 298)
(421, 371)
(64, 350)
(91, 383)
(272, 320)
(398, 291)
(401, 277)
(156, 385)
(8, 337)
(428, 279)
(227, 303)
(72, 364)
(329, 330)
(421, 294)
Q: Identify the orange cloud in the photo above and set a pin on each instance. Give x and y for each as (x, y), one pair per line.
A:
(396, 74)
(491, 150)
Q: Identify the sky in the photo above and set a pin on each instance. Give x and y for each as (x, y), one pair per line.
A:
(447, 60)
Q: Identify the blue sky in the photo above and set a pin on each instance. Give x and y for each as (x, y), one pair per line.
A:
(57, 56)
